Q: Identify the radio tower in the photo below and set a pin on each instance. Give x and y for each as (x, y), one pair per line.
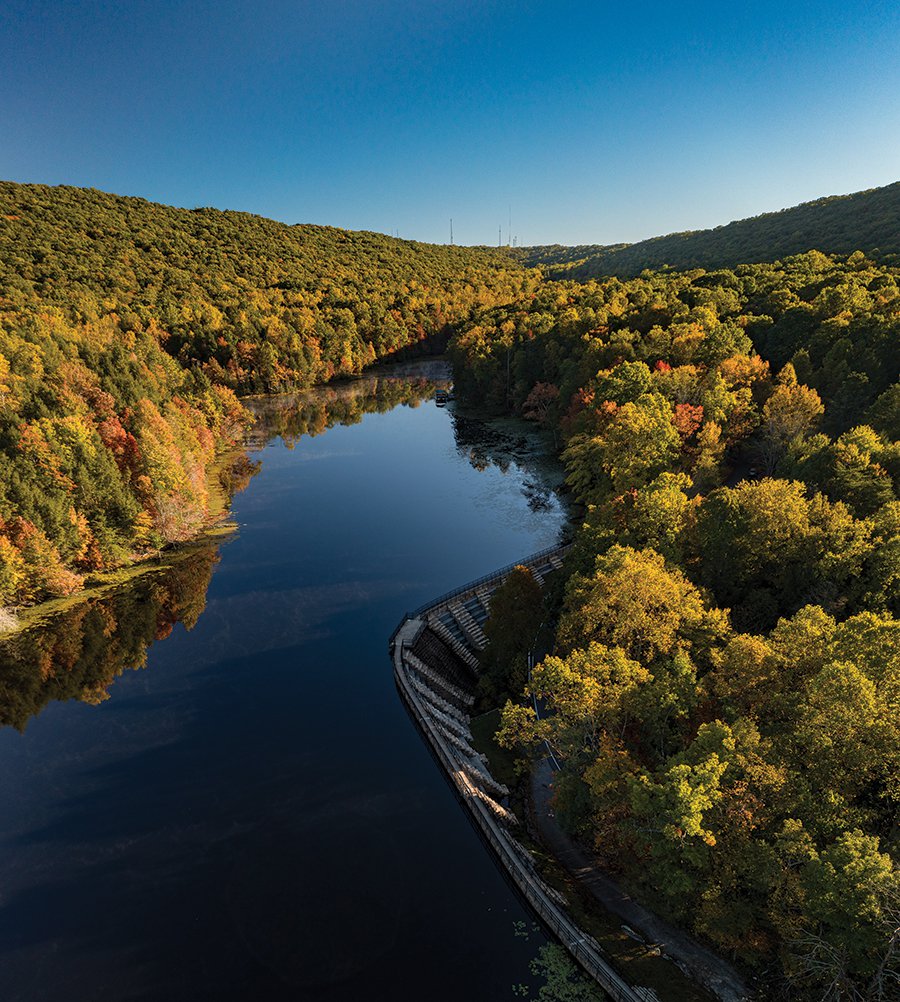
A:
(451, 232)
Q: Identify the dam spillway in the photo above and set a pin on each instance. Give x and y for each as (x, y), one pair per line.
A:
(435, 653)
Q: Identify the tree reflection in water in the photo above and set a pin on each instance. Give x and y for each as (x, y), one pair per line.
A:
(79, 652)
(291, 416)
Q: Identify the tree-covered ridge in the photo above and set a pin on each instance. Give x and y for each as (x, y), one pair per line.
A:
(725, 689)
(254, 304)
(840, 224)
(698, 333)
(127, 328)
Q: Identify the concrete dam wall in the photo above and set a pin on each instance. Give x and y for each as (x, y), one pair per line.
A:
(435, 655)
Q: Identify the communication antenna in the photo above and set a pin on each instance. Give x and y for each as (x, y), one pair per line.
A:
(500, 236)
(451, 232)
(509, 229)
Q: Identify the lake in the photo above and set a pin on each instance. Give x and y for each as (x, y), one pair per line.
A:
(250, 813)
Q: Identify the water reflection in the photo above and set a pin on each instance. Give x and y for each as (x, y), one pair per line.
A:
(511, 447)
(291, 416)
(77, 654)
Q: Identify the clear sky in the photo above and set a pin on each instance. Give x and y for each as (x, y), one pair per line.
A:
(592, 122)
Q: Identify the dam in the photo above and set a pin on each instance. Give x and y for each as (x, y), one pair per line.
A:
(435, 654)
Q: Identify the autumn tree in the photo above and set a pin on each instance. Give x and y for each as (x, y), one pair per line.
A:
(633, 601)
(639, 442)
(790, 413)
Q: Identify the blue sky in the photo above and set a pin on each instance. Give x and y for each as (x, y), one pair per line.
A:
(591, 122)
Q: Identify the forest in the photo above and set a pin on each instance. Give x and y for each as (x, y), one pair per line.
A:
(127, 332)
(724, 689)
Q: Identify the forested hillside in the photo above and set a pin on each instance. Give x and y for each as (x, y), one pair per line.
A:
(867, 220)
(126, 331)
(250, 303)
(725, 689)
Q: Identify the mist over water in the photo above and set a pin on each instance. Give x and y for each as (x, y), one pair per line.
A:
(251, 813)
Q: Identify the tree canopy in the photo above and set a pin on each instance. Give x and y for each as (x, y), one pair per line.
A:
(724, 690)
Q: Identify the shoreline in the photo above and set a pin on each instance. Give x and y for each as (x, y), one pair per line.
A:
(218, 524)
(100, 583)
(104, 582)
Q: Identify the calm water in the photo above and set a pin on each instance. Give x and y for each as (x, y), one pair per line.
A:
(251, 814)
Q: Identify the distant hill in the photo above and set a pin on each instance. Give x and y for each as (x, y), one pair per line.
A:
(259, 305)
(840, 224)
